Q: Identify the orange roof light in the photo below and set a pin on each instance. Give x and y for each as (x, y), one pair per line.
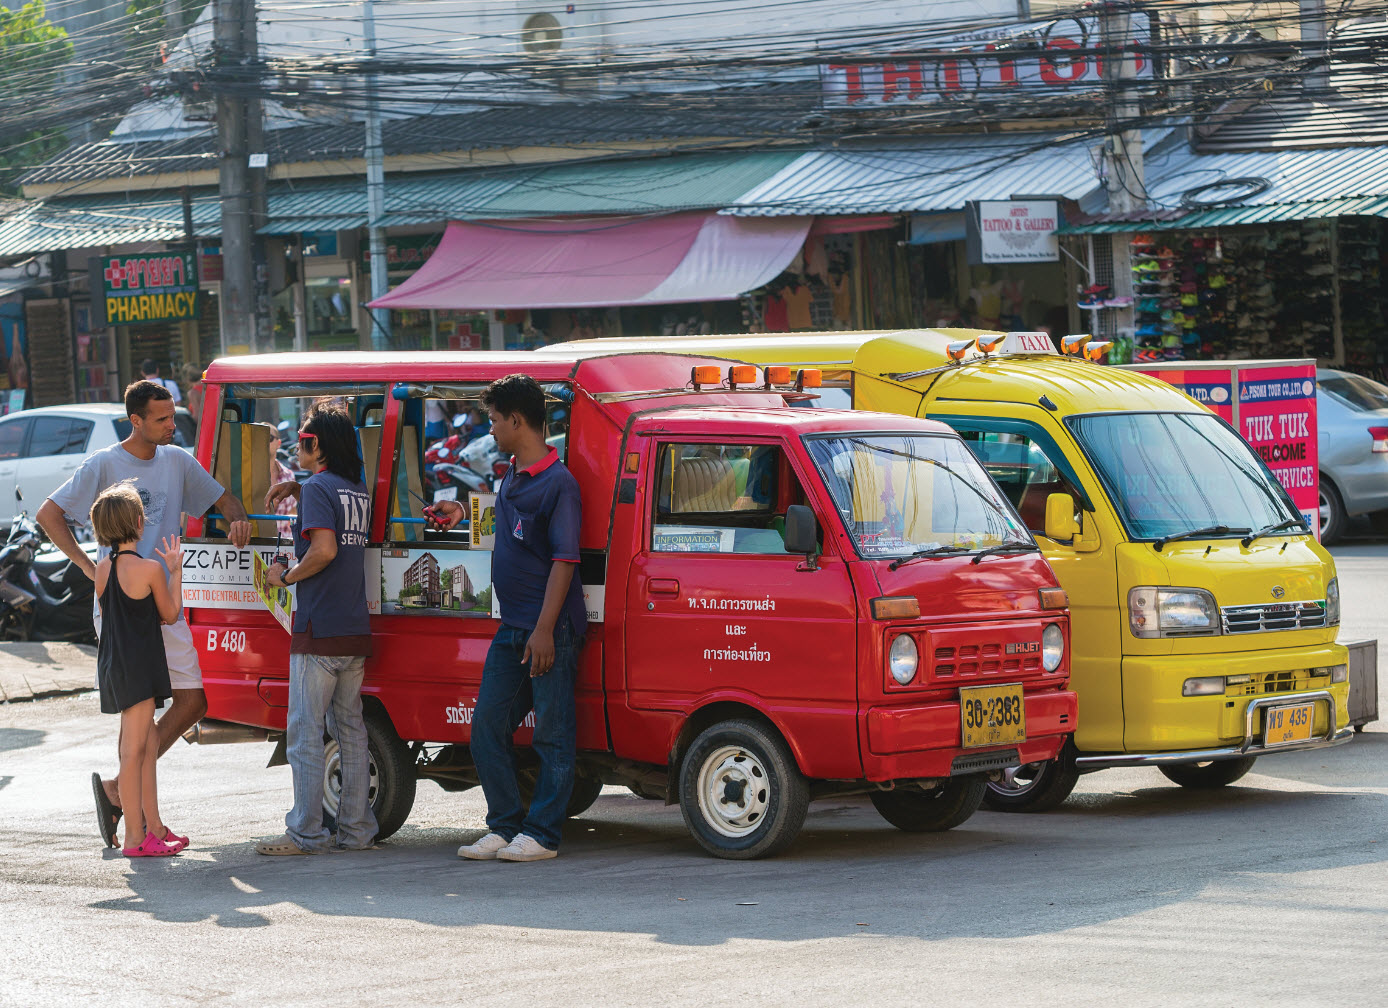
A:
(958, 349)
(987, 344)
(741, 374)
(706, 374)
(809, 377)
(1074, 344)
(1097, 351)
(777, 374)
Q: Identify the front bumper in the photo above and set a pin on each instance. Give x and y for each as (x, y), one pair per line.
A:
(924, 739)
(1248, 747)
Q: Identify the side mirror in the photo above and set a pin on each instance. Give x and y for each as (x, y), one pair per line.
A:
(802, 532)
(1060, 518)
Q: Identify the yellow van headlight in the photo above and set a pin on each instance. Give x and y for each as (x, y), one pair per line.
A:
(1172, 612)
(1332, 602)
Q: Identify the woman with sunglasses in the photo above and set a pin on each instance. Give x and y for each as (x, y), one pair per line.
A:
(331, 638)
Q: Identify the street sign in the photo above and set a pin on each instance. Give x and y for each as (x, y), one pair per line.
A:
(154, 287)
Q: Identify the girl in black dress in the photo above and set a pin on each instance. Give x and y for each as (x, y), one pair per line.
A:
(131, 669)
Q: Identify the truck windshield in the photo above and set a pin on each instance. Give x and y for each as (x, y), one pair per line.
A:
(1170, 473)
(901, 494)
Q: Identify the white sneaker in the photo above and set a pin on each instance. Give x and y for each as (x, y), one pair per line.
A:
(484, 849)
(525, 848)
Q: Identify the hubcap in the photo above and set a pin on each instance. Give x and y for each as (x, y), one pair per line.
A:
(1323, 505)
(733, 791)
(1018, 780)
(332, 778)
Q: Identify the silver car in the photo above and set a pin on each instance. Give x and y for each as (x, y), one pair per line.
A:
(1352, 415)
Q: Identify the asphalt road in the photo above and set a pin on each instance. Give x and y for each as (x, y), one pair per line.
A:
(1273, 891)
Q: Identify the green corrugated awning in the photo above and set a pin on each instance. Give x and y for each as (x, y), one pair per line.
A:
(1231, 216)
(649, 185)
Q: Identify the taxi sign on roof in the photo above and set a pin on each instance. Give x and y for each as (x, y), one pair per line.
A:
(1022, 343)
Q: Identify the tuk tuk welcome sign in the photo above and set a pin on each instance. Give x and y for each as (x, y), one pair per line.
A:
(160, 287)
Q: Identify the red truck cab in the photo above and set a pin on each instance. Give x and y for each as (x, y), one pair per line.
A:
(784, 603)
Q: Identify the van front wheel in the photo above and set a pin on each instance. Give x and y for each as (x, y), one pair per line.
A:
(392, 777)
(1207, 775)
(940, 808)
(741, 793)
(1032, 787)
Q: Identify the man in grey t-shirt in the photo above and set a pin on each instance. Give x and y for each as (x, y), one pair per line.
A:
(170, 484)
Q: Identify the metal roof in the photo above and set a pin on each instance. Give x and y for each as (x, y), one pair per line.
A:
(921, 176)
(680, 182)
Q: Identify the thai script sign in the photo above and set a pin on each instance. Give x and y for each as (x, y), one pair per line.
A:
(1040, 56)
(149, 288)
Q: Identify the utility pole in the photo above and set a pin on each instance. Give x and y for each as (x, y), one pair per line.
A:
(1126, 177)
(375, 185)
(237, 301)
(1313, 44)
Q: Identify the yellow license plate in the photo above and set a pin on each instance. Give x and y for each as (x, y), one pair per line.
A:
(992, 715)
(1288, 724)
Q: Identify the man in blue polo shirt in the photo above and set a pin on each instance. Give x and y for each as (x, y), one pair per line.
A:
(532, 661)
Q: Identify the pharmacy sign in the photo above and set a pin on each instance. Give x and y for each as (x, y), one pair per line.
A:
(152, 287)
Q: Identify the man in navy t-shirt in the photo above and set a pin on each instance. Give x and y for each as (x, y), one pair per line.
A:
(532, 661)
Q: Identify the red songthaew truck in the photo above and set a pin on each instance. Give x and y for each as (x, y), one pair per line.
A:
(784, 603)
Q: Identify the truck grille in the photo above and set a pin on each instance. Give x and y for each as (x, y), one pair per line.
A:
(974, 660)
(1289, 681)
(1273, 617)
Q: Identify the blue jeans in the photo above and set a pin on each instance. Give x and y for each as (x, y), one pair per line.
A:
(326, 691)
(507, 695)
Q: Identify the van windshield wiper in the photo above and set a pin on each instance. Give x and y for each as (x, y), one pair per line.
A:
(1012, 547)
(1250, 539)
(1207, 530)
(933, 551)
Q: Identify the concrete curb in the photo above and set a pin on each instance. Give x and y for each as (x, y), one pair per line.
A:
(32, 670)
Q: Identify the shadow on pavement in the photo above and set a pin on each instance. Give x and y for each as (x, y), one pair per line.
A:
(629, 867)
(12, 739)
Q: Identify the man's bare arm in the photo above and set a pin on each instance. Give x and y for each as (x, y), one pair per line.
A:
(239, 528)
(54, 524)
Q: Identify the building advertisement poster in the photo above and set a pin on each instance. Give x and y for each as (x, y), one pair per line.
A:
(1012, 231)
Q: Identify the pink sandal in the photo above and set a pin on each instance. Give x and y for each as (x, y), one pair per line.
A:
(174, 840)
(151, 846)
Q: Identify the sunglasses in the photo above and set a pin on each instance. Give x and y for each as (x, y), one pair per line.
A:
(307, 437)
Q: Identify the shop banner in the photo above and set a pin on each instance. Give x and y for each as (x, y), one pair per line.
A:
(991, 63)
(157, 287)
(1011, 231)
(1277, 416)
(1213, 389)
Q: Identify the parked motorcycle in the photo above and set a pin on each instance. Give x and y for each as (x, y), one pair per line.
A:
(452, 467)
(44, 596)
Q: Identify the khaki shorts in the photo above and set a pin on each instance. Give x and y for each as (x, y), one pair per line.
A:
(182, 656)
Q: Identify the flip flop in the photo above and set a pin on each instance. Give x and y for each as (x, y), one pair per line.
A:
(107, 814)
(151, 846)
(280, 846)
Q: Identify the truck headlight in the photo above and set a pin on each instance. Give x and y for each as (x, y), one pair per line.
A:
(1332, 602)
(903, 658)
(1052, 647)
(1172, 612)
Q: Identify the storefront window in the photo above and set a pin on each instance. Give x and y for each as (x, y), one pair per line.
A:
(328, 304)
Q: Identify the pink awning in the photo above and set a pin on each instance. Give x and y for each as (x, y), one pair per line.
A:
(598, 263)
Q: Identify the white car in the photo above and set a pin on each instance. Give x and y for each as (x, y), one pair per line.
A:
(40, 448)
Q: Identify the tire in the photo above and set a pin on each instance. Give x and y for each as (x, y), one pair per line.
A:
(1207, 775)
(1378, 521)
(392, 773)
(741, 793)
(943, 808)
(1033, 787)
(585, 791)
(1332, 509)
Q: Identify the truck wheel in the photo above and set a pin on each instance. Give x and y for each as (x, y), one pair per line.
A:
(585, 791)
(1207, 775)
(1032, 787)
(392, 787)
(741, 793)
(933, 811)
